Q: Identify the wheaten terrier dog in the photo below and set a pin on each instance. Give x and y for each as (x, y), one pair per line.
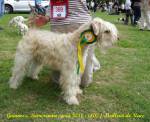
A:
(63, 52)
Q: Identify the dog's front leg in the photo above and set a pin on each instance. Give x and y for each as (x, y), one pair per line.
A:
(87, 76)
(70, 86)
(91, 65)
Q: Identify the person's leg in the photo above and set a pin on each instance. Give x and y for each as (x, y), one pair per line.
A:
(148, 19)
(137, 14)
(131, 17)
(127, 17)
(134, 9)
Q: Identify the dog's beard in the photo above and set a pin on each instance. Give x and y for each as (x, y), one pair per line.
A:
(104, 44)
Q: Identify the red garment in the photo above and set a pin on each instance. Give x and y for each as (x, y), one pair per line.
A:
(41, 20)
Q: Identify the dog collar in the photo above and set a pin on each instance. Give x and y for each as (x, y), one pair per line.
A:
(86, 37)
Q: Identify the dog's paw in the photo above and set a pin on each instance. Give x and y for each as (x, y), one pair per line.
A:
(13, 85)
(72, 101)
(85, 83)
(96, 67)
(35, 77)
(79, 91)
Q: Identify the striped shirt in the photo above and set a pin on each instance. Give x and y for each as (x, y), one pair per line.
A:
(78, 13)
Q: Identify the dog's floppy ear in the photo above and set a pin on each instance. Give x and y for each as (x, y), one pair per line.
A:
(95, 27)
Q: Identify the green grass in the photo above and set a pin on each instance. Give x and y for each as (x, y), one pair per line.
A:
(121, 86)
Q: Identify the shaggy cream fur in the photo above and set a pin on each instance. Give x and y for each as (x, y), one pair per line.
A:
(23, 28)
(59, 51)
(19, 22)
(18, 19)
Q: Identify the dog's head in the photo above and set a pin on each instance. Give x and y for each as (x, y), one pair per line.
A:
(106, 33)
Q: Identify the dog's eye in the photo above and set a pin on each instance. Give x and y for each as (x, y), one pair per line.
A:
(107, 31)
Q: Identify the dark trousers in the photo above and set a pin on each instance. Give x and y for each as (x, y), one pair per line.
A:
(129, 13)
(137, 13)
(94, 9)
